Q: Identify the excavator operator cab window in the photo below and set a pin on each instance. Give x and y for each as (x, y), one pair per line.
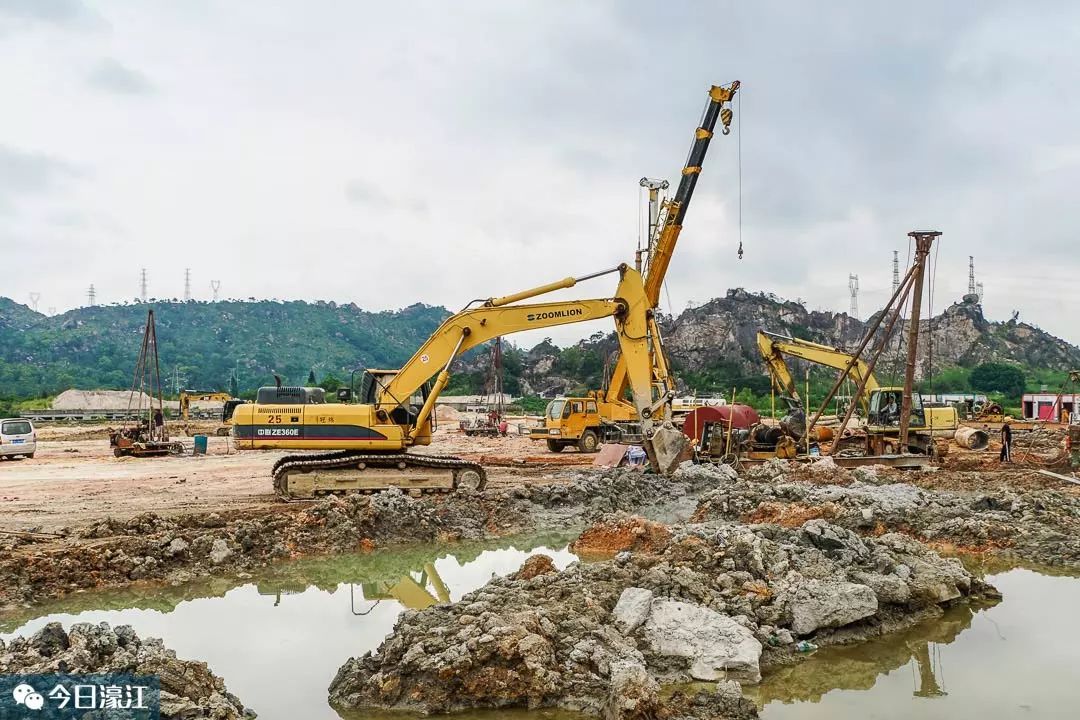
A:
(579, 407)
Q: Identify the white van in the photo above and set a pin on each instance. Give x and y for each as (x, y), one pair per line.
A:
(17, 437)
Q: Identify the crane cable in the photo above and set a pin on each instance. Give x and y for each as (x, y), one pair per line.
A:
(739, 163)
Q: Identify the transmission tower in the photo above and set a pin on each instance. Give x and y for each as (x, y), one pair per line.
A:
(979, 291)
(142, 285)
(895, 270)
(52, 310)
(971, 274)
(91, 295)
(215, 285)
(853, 286)
(187, 284)
(34, 297)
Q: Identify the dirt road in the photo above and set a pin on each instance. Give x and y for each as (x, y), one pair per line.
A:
(75, 482)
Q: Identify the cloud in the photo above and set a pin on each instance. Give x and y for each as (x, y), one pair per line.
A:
(111, 76)
(50, 11)
(27, 174)
(490, 146)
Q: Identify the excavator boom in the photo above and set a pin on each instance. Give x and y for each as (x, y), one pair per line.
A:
(774, 347)
(371, 437)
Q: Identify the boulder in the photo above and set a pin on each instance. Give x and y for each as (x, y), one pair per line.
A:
(632, 609)
(822, 603)
(715, 645)
(633, 694)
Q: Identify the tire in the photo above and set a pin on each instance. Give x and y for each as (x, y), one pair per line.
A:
(555, 446)
(589, 442)
(29, 456)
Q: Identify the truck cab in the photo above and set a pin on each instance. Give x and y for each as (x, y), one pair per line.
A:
(570, 422)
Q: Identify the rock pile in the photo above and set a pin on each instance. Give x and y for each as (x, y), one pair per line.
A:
(151, 546)
(1038, 525)
(716, 601)
(189, 690)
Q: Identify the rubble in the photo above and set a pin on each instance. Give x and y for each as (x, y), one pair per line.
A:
(1041, 526)
(715, 600)
(189, 690)
(156, 547)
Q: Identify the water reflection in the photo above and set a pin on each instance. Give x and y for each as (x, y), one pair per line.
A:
(278, 638)
(986, 662)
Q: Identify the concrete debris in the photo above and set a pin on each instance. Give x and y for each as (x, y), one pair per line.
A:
(189, 690)
(576, 639)
(1036, 525)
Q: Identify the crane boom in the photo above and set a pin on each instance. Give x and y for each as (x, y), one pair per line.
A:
(660, 252)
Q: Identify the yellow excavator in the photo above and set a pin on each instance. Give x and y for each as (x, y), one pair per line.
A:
(880, 405)
(605, 415)
(229, 405)
(395, 413)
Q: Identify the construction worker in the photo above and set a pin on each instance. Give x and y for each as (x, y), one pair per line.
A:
(892, 412)
(1006, 443)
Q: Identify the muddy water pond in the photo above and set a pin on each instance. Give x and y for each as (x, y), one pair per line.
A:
(279, 637)
(1017, 659)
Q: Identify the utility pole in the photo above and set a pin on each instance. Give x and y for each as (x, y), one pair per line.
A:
(34, 297)
(91, 295)
(895, 270)
(853, 286)
(187, 284)
(142, 285)
(923, 241)
(215, 285)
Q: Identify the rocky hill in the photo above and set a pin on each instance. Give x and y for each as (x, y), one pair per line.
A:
(712, 346)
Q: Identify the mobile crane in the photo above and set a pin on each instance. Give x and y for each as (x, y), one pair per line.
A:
(605, 415)
(371, 438)
(880, 404)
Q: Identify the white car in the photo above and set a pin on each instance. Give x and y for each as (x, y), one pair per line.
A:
(17, 437)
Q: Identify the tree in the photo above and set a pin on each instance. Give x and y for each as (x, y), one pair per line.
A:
(311, 378)
(1006, 379)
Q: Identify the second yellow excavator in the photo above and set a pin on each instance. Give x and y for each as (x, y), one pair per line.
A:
(372, 438)
(881, 405)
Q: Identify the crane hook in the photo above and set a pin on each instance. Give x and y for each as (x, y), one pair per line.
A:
(725, 117)
(740, 250)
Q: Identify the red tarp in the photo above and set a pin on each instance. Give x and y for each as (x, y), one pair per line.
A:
(740, 417)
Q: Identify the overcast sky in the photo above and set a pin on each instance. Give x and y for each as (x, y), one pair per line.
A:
(395, 152)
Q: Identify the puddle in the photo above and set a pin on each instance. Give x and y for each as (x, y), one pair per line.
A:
(279, 638)
(1018, 658)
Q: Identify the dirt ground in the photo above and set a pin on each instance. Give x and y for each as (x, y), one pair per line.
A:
(74, 480)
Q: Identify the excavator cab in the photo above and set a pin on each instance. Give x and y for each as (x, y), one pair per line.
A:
(885, 408)
(373, 381)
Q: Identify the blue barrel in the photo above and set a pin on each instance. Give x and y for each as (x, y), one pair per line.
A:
(200, 444)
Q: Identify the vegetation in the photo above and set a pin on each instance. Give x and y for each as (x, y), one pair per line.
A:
(1003, 378)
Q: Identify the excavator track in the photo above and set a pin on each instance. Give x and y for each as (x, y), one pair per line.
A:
(309, 475)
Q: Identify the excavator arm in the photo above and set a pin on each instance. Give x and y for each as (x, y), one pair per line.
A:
(660, 252)
(774, 347)
(496, 317)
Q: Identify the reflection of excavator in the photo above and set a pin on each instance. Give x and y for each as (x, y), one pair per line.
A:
(605, 415)
(229, 404)
(881, 405)
(395, 412)
(410, 591)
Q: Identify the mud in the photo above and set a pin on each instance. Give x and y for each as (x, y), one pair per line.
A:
(1036, 525)
(153, 547)
(708, 601)
(189, 689)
